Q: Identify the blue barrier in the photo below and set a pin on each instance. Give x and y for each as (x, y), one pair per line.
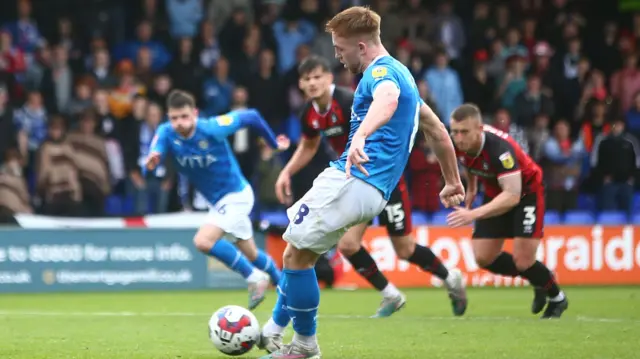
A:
(107, 260)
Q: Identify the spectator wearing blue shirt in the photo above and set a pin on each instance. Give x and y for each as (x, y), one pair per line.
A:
(217, 91)
(633, 117)
(291, 33)
(129, 50)
(445, 86)
(184, 17)
(24, 31)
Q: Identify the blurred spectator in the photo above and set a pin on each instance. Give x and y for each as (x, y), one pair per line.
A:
(25, 30)
(143, 72)
(70, 41)
(569, 93)
(481, 28)
(513, 82)
(480, 88)
(596, 90)
(426, 179)
(57, 174)
(513, 46)
(184, 17)
(502, 121)
(8, 132)
(267, 81)
(245, 65)
(502, 20)
(391, 27)
(604, 51)
(532, 102)
(220, 11)
(62, 81)
(616, 160)
(290, 80)
(445, 86)
(150, 192)
(291, 33)
(322, 45)
(625, 83)
(144, 33)
(217, 90)
(496, 65)
(12, 59)
(562, 166)
(594, 125)
(541, 55)
(235, 28)
(31, 122)
(449, 31)
(162, 85)
(538, 136)
(82, 99)
(107, 125)
(208, 45)
(101, 69)
(633, 117)
(268, 168)
(243, 142)
(529, 36)
(14, 195)
(121, 97)
(184, 68)
(92, 163)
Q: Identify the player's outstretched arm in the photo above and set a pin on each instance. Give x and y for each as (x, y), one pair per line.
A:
(225, 125)
(157, 150)
(439, 140)
(511, 185)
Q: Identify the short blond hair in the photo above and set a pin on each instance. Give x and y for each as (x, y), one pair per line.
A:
(354, 21)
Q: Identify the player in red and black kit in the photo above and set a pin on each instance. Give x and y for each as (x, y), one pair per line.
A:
(513, 206)
(328, 113)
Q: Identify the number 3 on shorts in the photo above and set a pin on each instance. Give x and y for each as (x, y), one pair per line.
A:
(529, 215)
(302, 212)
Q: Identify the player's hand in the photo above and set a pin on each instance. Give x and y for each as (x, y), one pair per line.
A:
(153, 160)
(460, 217)
(469, 198)
(283, 143)
(452, 195)
(356, 156)
(283, 188)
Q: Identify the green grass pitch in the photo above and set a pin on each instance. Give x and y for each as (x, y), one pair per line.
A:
(602, 323)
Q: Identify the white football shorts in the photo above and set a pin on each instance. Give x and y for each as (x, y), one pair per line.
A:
(231, 214)
(333, 205)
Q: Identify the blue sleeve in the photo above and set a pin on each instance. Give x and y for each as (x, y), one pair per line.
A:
(380, 74)
(159, 145)
(223, 126)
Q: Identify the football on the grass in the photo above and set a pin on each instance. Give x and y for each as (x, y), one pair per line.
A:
(234, 330)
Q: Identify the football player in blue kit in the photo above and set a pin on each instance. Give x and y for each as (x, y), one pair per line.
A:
(385, 117)
(201, 152)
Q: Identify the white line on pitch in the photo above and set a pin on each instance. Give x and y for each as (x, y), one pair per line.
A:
(11, 313)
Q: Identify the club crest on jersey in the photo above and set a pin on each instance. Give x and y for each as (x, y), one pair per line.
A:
(315, 124)
(224, 120)
(378, 72)
(334, 118)
(203, 144)
(507, 160)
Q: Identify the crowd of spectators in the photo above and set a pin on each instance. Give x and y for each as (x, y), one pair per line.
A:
(83, 83)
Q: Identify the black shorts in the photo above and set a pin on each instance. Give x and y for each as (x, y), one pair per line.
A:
(526, 220)
(396, 215)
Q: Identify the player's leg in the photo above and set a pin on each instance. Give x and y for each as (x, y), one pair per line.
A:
(230, 216)
(529, 228)
(259, 259)
(317, 222)
(350, 246)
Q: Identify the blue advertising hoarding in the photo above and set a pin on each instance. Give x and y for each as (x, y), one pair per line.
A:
(107, 260)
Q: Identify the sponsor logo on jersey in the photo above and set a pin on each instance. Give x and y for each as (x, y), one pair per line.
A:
(224, 120)
(203, 144)
(196, 161)
(378, 72)
(507, 160)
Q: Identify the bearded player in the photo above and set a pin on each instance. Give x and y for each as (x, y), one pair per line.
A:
(385, 117)
(326, 114)
(513, 206)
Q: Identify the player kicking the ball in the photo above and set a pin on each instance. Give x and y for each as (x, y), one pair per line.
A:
(326, 114)
(513, 206)
(386, 114)
(201, 152)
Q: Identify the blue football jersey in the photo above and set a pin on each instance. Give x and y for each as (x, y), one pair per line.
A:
(389, 147)
(205, 159)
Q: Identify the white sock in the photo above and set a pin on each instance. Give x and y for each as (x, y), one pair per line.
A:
(255, 276)
(557, 298)
(306, 341)
(390, 291)
(272, 328)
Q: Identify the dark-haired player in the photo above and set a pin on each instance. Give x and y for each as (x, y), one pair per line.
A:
(327, 113)
(201, 153)
(513, 206)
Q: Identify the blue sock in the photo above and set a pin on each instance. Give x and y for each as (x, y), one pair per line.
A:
(266, 264)
(303, 299)
(280, 313)
(228, 254)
